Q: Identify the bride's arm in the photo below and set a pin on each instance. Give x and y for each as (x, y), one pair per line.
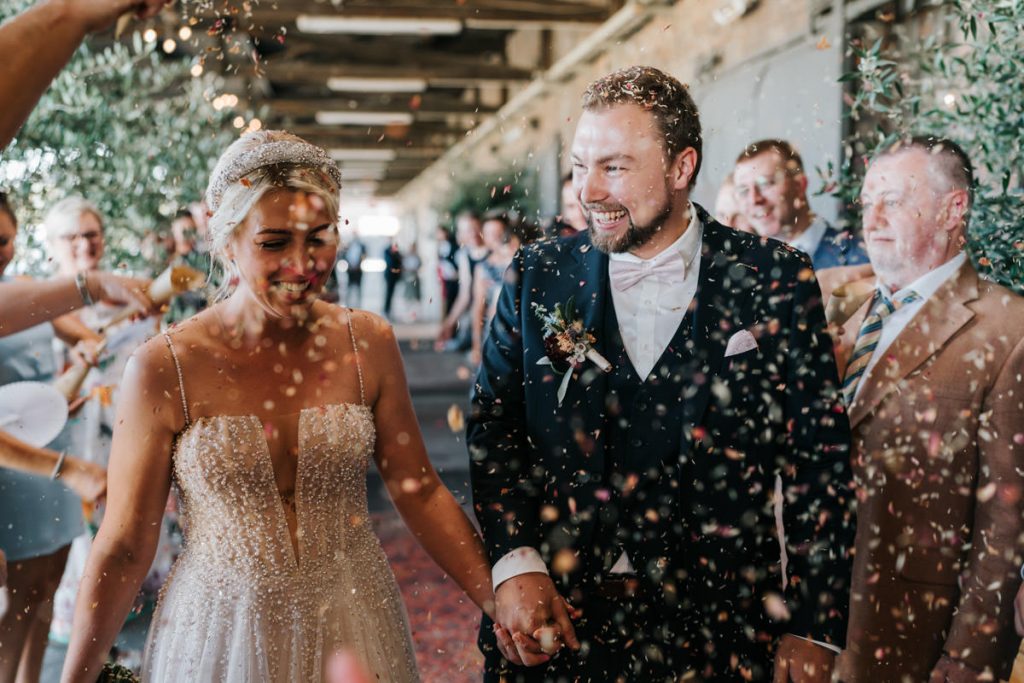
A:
(138, 481)
(427, 506)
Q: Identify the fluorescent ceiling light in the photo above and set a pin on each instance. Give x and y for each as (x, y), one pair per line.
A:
(361, 154)
(386, 85)
(364, 118)
(377, 26)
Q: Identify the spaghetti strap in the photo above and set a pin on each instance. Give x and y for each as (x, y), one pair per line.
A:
(359, 365)
(181, 381)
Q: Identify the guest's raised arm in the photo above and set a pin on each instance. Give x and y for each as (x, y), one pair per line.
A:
(37, 43)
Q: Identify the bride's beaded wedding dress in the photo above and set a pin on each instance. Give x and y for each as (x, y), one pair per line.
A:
(247, 601)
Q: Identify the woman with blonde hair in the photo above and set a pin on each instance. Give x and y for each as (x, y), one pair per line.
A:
(263, 411)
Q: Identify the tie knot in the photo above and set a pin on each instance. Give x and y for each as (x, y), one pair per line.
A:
(886, 306)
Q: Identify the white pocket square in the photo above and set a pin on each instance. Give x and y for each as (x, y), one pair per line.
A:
(741, 342)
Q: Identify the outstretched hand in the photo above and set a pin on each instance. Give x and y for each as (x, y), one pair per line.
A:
(122, 290)
(801, 661)
(88, 480)
(97, 15)
(533, 621)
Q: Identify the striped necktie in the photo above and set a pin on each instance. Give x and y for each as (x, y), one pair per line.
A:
(867, 340)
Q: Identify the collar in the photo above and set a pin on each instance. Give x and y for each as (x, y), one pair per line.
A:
(926, 285)
(685, 247)
(809, 239)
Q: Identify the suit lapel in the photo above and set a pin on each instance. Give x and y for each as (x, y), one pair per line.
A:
(709, 308)
(590, 284)
(942, 316)
(844, 312)
(587, 283)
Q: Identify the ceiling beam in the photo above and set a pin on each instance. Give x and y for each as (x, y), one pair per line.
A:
(486, 14)
(388, 187)
(402, 149)
(448, 75)
(383, 49)
(426, 106)
(416, 134)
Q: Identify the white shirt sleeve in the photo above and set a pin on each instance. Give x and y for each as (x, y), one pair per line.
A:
(522, 560)
(828, 646)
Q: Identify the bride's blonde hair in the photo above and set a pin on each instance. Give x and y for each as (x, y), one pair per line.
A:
(254, 165)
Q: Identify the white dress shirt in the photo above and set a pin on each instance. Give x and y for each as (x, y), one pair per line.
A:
(897, 321)
(649, 315)
(810, 239)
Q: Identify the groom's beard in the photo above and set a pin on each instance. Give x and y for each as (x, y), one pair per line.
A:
(635, 235)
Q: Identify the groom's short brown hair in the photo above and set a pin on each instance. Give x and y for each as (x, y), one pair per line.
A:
(657, 92)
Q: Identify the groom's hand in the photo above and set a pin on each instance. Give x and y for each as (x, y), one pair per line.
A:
(802, 661)
(528, 610)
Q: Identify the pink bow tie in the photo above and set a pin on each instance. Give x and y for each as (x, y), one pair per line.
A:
(626, 274)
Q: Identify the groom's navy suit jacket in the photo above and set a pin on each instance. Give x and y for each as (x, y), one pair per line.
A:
(691, 502)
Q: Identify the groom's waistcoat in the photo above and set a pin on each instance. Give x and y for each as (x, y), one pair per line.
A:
(642, 423)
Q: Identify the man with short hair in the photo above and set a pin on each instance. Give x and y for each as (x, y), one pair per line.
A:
(771, 189)
(932, 359)
(643, 384)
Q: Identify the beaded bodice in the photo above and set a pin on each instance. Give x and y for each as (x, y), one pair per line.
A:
(234, 521)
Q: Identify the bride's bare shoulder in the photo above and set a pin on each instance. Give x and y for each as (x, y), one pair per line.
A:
(368, 328)
(157, 359)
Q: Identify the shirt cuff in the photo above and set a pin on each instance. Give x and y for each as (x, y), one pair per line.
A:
(522, 560)
(828, 646)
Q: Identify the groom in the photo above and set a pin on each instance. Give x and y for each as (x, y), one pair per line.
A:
(628, 513)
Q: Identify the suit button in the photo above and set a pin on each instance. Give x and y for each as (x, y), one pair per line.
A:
(637, 443)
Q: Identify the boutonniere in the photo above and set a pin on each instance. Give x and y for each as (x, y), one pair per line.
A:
(567, 343)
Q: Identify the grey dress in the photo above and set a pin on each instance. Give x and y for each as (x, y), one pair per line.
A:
(37, 516)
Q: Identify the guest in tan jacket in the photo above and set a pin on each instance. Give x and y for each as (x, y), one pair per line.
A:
(933, 364)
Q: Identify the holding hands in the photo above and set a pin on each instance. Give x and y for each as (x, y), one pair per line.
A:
(532, 620)
(802, 661)
(951, 670)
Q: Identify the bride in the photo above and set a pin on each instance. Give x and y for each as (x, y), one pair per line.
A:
(263, 411)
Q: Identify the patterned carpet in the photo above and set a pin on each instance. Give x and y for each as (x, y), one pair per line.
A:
(443, 620)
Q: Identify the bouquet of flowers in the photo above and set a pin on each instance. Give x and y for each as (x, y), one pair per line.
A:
(116, 673)
(568, 344)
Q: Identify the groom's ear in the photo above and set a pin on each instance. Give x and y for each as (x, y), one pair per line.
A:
(682, 169)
